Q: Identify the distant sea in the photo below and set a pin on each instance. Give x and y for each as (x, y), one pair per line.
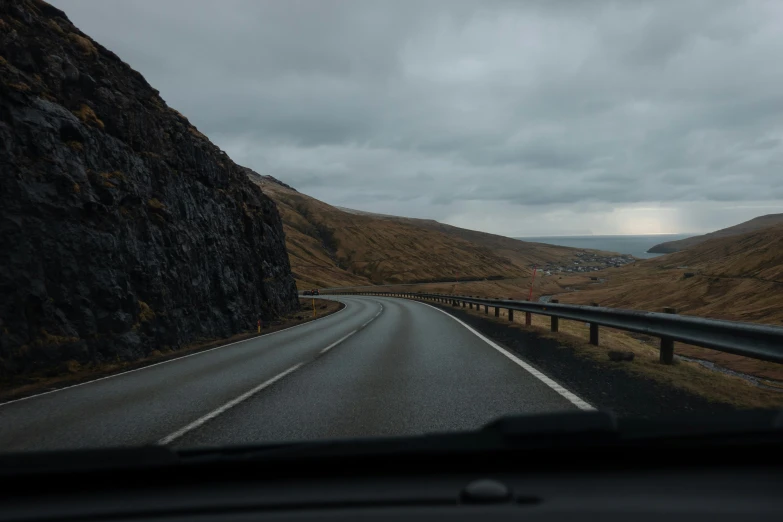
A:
(635, 245)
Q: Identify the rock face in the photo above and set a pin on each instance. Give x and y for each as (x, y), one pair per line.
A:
(122, 228)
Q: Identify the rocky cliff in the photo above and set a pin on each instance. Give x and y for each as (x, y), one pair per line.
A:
(122, 228)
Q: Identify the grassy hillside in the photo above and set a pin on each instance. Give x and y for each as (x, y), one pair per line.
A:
(738, 278)
(748, 226)
(330, 247)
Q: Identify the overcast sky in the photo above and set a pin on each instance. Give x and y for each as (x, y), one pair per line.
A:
(519, 118)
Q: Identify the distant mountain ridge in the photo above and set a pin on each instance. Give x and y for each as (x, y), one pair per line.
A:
(748, 226)
(333, 246)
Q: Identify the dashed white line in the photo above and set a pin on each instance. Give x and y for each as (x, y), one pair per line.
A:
(338, 342)
(570, 396)
(222, 409)
(230, 404)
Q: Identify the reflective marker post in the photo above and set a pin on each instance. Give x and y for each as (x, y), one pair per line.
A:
(259, 326)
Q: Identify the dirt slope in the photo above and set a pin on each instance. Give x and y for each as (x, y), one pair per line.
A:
(748, 226)
(330, 247)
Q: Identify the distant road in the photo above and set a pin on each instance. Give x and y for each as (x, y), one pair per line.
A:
(381, 366)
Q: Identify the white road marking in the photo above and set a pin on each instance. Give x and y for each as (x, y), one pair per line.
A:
(338, 342)
(164, 362)
(571, 397)
(227, 406)
(211, 415)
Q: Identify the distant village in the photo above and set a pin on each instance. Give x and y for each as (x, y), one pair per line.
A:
(588, 262)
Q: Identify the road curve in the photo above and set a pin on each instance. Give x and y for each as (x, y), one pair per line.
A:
(381, 366)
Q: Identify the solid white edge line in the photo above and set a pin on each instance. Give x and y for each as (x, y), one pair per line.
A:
(227, 406)
(168, 361)
(570, 396)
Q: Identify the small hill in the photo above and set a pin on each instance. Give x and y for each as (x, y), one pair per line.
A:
(333, 247)
(748, 226)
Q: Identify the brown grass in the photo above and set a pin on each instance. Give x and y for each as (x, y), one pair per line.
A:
(20, 86)
(83, 44)
(114, 175)
(54, 26)
(145, 312)
(738, 278)
(75, 145)
(87, 115)
(156, 204)
(3, 61)
(195, 132)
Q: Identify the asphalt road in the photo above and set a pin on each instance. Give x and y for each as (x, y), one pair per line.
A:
(381, 366)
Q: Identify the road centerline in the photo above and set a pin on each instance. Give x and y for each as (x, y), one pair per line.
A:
(168, 439)
(227, 406)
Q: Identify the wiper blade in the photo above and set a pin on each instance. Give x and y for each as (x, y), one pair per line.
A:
(567, 430)
(505, 433)
(564, 424)
(25, 463)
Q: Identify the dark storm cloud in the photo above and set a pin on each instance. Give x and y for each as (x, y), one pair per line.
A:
(608, 112)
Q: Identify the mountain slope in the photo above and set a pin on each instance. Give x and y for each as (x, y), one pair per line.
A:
(122, 228)
(332, 247)
(748, 226)
(739, 277)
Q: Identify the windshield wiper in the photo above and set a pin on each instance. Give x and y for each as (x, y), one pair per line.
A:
(572, 431)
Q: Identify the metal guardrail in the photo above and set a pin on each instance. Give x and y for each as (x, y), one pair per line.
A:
(747, 339)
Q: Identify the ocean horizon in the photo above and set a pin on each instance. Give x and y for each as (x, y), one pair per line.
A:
(635, 245)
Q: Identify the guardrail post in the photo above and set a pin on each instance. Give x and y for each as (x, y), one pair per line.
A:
(594, 330)
(554, 320)
(470, 305)
(463, 304)
(454, 302)
(528, 317)
(497, 312)
(510, 314)
(667, 344)
(486, 309)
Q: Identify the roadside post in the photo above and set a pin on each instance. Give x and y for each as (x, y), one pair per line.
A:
(314, 312)
(259, 326)
(667, 343)
(554, 323)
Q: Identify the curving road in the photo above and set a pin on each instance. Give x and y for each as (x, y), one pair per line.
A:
(380, 366)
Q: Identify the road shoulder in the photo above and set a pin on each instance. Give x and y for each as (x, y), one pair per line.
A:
(605, 386)
(19, 387)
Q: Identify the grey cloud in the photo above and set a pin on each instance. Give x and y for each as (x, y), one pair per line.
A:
(447, 108)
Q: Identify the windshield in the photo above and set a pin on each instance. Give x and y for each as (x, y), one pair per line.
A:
(246, 222)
